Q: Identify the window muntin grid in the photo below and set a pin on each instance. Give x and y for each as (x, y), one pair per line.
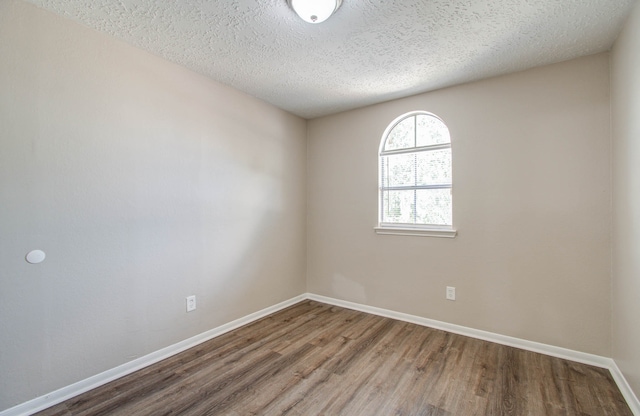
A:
(416, 173)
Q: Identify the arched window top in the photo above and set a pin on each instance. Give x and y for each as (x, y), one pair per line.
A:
(415, 178)
(415, 129)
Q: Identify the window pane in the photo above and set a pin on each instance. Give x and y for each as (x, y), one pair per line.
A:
(433, 206)
(398, 206)
(434, 167)
(422, 167)
(431, 131)
(402, 136)
(398, 170)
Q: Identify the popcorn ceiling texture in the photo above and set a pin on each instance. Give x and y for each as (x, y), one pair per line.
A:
(368, 52)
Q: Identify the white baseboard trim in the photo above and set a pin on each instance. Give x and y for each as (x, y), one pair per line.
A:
(625, 388)
(65, 393)
(559, 352)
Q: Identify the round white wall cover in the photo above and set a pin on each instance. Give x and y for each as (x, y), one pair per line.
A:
(35, 256)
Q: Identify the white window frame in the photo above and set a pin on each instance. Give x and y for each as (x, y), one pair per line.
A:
(421, 230)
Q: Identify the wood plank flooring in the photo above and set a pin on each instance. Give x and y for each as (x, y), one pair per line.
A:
(317, 359)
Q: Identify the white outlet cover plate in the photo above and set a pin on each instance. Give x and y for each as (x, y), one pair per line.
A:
(191, 303)
(451, 293)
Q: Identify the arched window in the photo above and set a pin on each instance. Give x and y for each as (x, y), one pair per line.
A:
(415, 176)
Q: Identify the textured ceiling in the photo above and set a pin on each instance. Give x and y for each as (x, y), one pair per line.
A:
(370, 51)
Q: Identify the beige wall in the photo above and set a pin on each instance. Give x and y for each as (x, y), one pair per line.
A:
(532, 205)
(144, 183)
(625, 110)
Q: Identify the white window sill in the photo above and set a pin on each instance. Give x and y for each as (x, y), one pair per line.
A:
(417, 232)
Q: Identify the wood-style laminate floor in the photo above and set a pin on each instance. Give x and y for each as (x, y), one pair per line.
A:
(317, 359)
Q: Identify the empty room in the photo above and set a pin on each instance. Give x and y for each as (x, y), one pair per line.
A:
(354, 207)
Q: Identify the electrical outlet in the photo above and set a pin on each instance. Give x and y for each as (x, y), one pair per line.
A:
(191, 303)
(451, 293)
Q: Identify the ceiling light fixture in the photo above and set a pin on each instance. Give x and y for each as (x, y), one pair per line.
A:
(314, 11)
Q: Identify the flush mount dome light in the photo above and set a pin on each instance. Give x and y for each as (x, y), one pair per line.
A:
(314, 11)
